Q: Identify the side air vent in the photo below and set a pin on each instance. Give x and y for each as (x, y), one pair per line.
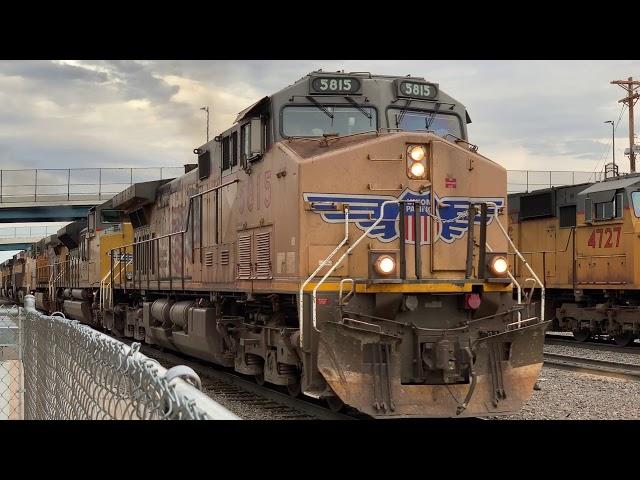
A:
(244, 257)
(263, 256)
(208, 259)
(224, 257)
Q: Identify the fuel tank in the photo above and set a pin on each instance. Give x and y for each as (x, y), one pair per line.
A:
(78, 310)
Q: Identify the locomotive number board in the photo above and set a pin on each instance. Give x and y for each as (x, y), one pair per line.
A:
(415, 89)
(335, 85)
(605, 237)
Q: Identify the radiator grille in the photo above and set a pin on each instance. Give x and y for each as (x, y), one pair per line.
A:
(208, 259)
(244, 257)
(263, 255)
(224, 257)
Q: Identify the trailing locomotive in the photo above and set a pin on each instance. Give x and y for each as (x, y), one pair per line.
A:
(321, 243)
(584, 240)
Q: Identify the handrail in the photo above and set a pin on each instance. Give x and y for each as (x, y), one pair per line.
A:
(344, 255)
(322, 264)
(526, 264)
(186, 228)
(105, 290)
(513, 279)
(172, 234)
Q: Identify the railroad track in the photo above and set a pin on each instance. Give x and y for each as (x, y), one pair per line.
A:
(236, 389)
(595, 367)
(567, 341)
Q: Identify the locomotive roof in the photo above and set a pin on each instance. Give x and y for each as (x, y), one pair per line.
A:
(299, 89)
(612, 184)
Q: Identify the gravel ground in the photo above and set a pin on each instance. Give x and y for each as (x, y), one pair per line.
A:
(566, 395)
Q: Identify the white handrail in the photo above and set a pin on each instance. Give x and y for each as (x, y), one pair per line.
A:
(105, 291)
(513, 279)
(344, 255)
(322, 264)
(526, 264)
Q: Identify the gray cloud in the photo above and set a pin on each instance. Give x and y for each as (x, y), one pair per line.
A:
(526, 114)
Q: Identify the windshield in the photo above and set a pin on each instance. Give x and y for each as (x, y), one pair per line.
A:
(314, 121)
(440, 123)
(635, 198)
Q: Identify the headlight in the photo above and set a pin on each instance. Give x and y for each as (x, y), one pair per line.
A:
(385, 265)
(416, 161)
(499, 265)
(417, 153)
(417, 169)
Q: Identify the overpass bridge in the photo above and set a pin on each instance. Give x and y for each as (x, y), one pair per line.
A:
(65, 194)
(19, 238)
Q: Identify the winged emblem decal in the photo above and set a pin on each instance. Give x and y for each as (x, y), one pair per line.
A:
(364, 210)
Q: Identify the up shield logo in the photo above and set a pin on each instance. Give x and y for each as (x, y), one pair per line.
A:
(364, 210)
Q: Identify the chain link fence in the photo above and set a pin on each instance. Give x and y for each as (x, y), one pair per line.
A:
(59, 369)
(10, 369)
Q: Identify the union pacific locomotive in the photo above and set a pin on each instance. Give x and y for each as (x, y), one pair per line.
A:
(321, 243)
(584, 239)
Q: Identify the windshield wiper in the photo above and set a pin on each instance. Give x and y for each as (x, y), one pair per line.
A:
(355, 104)
(320, 106)
(400, 116)
(432, 116)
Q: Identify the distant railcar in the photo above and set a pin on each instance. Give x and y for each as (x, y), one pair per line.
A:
(585, 239)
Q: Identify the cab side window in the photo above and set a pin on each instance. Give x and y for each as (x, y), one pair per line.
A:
(245, 143)
(607, 210)
(225, 153)
(234, 149)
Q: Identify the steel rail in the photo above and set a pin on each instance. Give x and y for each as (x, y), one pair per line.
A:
(594, 367)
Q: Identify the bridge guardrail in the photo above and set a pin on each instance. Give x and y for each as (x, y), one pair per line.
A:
(68, 184)
(100, 184)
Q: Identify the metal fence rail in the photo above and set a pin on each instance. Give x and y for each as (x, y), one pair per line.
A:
(71, 371)
(69, 184)
(96, 184)
(30, 231)
(529, 180)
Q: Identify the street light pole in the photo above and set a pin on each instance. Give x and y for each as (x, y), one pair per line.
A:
(613, 137)
(206, 109)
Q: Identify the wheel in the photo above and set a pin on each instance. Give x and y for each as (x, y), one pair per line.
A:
(294, 389)
(259, 378)
(335, 404)
(581, 335)
(623, 339)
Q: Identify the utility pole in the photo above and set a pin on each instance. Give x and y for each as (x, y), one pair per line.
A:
(206, 109)
(630, 86)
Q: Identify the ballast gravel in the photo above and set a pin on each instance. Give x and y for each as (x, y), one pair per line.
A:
(568, 395)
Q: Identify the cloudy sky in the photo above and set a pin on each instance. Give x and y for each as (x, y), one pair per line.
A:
(541, 115)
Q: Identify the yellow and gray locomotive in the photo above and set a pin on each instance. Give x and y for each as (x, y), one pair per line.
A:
(322, 243)
(583, 239)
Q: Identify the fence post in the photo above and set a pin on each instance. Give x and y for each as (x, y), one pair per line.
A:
(68, 183)
(35, 191)
(99, 184)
